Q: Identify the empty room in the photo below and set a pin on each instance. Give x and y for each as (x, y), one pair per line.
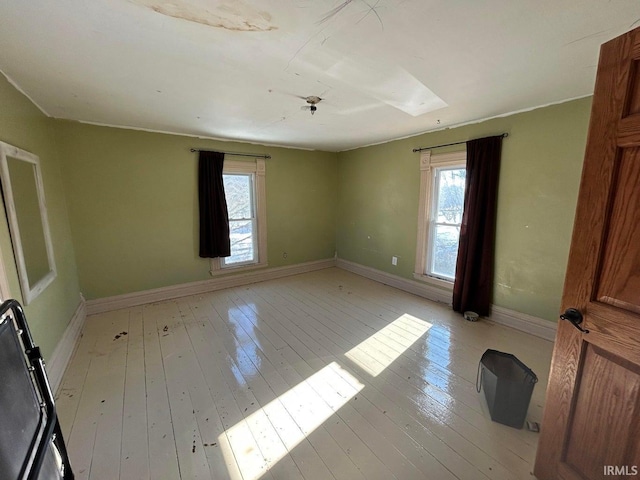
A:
(319, 239)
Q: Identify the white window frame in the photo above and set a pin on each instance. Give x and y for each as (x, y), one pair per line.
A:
(428, 165)
(257, 170)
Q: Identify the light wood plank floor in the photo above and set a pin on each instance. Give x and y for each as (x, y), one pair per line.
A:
(318, 376)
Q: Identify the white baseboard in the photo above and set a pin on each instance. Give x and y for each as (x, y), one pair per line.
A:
(526, 323)
(117, 302)
(60, 357)
(417, 288)
(500, 315)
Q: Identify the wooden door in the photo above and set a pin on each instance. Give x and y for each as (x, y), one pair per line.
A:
(591, 423)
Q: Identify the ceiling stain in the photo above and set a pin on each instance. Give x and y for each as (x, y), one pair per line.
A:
(234, 15)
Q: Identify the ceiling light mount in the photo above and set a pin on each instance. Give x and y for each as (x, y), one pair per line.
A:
(312, 100)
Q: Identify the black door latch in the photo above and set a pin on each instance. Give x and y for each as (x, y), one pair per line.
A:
(574, 316)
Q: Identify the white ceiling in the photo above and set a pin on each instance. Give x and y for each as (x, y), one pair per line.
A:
(236, 69)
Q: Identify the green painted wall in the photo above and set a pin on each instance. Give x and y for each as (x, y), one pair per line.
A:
(24, 126)
(541, 166)
(133, 206)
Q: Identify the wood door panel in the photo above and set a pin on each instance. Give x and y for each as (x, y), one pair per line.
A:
(619, 283)
(609, 385)
(618, 333)
(597, 174)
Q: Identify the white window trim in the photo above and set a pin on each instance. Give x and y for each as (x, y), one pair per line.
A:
(427, 161)
(258, 168)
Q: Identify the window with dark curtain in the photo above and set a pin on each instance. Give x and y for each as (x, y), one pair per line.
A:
(214, 218)
(473, 285)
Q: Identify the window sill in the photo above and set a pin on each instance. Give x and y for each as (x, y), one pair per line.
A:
(240, 268)
(436, 282)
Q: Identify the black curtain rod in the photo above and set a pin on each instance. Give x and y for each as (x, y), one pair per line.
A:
(235, 154)
(504, 135)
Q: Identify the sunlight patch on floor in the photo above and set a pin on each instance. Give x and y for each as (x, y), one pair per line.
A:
(260, 440)
(364, 354)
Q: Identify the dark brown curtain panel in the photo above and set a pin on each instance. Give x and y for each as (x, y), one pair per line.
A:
(473, 285)
(214, 218)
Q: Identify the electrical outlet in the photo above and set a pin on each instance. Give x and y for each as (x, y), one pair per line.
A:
(394, 261)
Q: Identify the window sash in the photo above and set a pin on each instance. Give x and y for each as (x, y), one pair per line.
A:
(225, 261)
(433, 224)
(254, 247)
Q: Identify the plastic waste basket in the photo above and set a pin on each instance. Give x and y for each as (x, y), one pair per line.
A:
(508, 384)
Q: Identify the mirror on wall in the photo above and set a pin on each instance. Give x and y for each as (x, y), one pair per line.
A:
(26, 211)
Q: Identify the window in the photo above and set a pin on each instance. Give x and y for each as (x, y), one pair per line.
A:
(244, 187)
(240, 196)
(442, 185)
(444, 222)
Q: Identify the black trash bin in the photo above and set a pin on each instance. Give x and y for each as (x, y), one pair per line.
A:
(508, 384)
